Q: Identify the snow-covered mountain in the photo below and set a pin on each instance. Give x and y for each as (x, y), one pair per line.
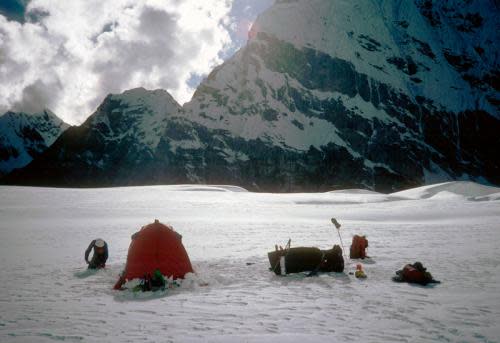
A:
(382, 94)
(327, 93)
(24, 136)
(115, 145)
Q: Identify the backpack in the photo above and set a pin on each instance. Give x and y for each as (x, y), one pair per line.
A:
(416, 273)
(334, 260)
(358, 246)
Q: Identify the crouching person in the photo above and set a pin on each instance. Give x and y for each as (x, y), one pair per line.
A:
(100, 255)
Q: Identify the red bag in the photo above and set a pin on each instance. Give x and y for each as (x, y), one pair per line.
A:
(358, 247)
(411, 274)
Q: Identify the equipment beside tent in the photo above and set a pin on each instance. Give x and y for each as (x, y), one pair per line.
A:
(155, 247)
(153, 283)
(302, 259)
(358, 247)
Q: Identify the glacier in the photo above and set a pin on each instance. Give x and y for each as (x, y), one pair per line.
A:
(452, 228)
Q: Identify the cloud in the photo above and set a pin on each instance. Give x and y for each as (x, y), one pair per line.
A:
(68, 55)
(38, 96)
(153, 48)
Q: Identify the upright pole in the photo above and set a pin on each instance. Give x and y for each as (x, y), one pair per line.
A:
(337, 226)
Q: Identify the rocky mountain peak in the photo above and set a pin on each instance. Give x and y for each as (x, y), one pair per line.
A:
(24, 136)
(138, 113)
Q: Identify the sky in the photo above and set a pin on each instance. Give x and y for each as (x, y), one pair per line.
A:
(66, 56)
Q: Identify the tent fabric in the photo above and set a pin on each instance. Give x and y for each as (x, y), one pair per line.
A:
(156, 246)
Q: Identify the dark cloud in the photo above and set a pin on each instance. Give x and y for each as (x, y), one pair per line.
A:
(156, 23)
(108, 27)
(36, 15)
(38, 96)
(156, 47)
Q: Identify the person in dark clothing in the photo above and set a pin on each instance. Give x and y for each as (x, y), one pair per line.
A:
(100, 254)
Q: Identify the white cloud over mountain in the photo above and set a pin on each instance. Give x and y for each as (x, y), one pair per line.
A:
(69, 54)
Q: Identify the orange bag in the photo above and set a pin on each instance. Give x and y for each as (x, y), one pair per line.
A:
(358, 247)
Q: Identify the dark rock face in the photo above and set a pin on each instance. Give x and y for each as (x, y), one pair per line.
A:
(477, 63)
(7, 152)
(420, 136)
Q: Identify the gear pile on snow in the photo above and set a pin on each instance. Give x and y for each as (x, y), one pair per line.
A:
(306, 259)
(414, 273)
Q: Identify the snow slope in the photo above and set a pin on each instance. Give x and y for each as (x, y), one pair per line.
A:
(375, 33)
(470, 190)
(138, 114)
(48, 296)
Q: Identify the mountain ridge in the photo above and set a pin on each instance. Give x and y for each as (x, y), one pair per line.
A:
(325, 95)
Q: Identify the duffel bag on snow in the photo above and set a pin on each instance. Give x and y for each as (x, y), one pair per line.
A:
(302, 259)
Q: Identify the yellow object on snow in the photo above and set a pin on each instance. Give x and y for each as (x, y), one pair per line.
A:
(360, 274)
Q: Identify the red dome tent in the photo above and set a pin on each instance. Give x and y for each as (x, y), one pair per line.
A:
(156, 246)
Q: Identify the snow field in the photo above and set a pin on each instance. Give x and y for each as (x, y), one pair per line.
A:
(49, 296)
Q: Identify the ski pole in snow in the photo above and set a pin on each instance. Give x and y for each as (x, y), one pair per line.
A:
(281, 260)
(337, 226)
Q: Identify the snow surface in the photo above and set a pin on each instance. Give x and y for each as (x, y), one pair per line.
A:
(466, 189)
(48, 295)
